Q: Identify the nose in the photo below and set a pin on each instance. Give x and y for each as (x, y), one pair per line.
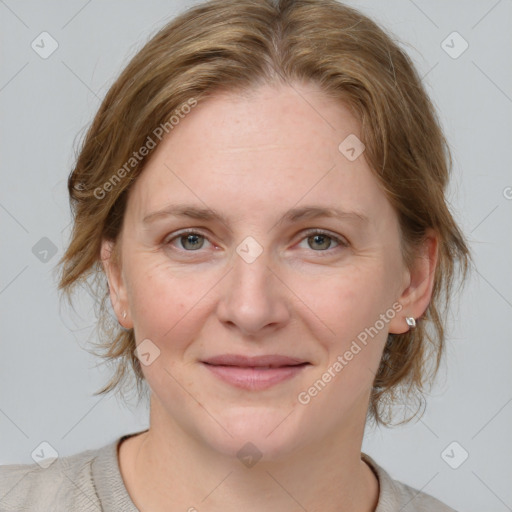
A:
(254, 300)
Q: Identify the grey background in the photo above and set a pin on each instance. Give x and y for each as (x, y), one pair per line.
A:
(47, 378)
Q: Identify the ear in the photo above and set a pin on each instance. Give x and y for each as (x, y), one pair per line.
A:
(116, 285)
(419, 283)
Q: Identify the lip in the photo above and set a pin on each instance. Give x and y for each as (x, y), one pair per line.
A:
(254, 373)
(273, 360)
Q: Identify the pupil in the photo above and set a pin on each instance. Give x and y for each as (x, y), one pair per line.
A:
(192, 240)
(320, 238)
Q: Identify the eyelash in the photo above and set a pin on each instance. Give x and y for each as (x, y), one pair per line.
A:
(340, 241)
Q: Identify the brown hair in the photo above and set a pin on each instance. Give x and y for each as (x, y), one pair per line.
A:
(237, 45)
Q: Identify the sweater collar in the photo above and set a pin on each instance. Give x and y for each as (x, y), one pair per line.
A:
(108, 481)
(114, 496)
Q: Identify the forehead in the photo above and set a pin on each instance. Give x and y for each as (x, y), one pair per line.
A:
(270, 149)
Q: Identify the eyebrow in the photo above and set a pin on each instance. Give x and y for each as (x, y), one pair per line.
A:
(292, 215)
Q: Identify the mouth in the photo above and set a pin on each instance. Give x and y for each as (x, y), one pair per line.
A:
(242, 361)
(255, 373)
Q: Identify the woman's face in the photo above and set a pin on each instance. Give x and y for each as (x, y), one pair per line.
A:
(263, 281)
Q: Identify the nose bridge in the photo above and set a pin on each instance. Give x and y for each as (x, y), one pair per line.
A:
(251, 275)
(250, 269)
(252, 299)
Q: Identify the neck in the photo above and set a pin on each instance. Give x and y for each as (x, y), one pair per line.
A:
(166, 468)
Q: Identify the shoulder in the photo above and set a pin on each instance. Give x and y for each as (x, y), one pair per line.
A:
(418, 501)
(395, 496)
(66, 484)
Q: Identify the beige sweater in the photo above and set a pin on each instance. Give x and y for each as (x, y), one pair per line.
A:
(91, 481)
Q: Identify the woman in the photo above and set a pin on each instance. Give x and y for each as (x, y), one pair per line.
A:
(261, 199)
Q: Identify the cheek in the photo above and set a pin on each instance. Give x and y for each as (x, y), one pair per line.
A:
(350, 305)
(346, 301)
(162, 301)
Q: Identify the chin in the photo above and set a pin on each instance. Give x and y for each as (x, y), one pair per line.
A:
(254, 429)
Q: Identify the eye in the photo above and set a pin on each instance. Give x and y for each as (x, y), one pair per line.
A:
(318, 240)
(323, 240)
(189, 240)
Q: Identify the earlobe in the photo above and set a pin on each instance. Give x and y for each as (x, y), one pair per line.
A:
(117, 289)
(416, 296)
